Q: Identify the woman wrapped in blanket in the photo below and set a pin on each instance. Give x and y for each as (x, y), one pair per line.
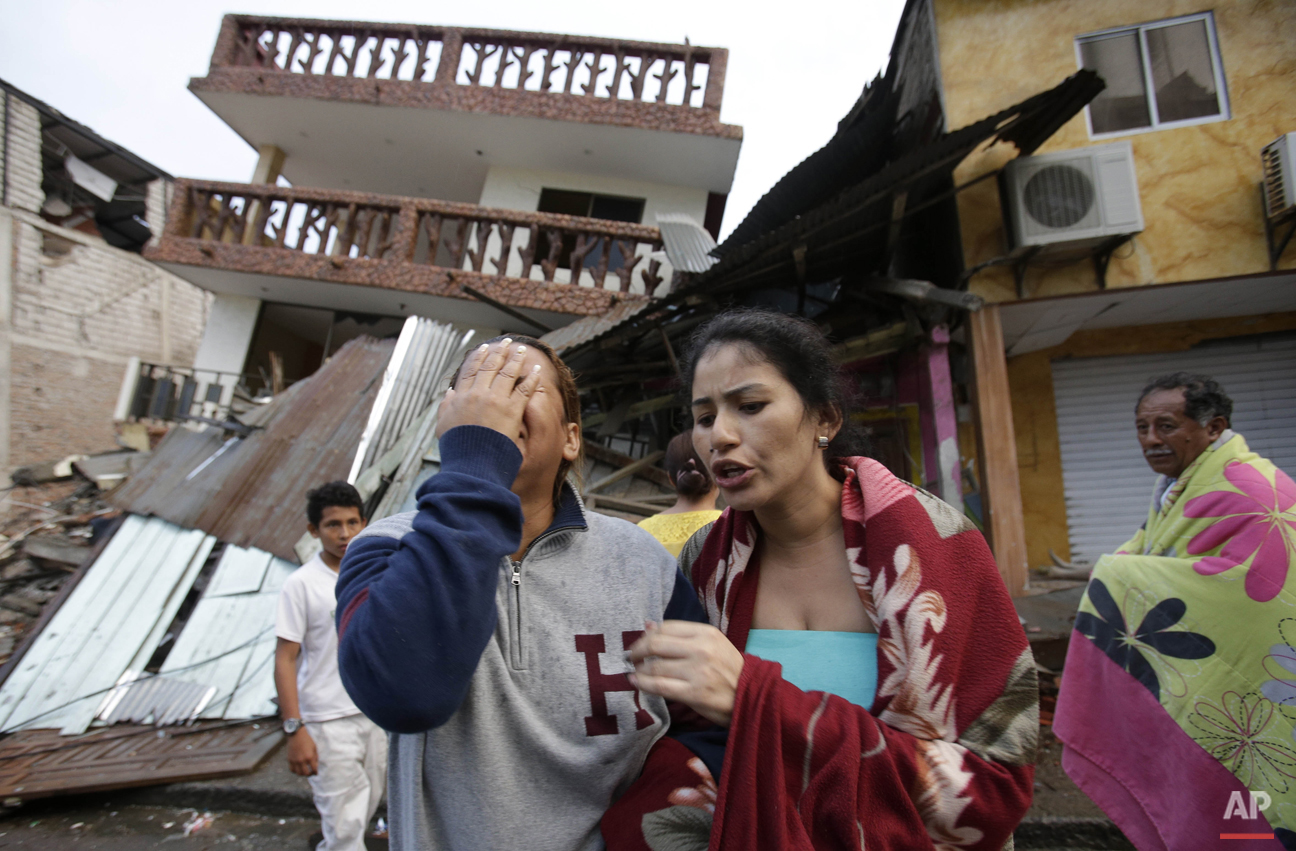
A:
(877, 689)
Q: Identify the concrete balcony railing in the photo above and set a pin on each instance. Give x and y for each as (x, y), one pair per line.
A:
(573, 78)
(548, 262)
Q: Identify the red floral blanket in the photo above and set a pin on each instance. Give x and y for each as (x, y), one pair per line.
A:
(945, 756)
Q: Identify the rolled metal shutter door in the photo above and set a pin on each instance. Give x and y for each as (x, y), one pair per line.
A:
(1108, 485)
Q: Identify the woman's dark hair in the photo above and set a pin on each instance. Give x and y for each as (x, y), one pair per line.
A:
(1204, 399)
(802, 355)
(339, 494)
(566, 389)
(687, 470)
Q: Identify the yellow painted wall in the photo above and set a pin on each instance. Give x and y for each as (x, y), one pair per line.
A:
(1030, 378)
(1198, 185)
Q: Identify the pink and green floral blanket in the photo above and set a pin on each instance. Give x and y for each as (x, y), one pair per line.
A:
(1178, 701)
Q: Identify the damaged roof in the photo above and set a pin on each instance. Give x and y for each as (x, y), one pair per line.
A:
(107, 156)
(848, 233)
(128, 612)
(251, 491)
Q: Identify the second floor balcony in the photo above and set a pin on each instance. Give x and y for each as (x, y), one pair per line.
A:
(395, 256)
(427, 110)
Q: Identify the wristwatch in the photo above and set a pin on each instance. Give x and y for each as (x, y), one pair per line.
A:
(291, 725)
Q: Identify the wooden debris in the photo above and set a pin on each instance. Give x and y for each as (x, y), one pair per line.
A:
(55, 548)
(628, 470)
(14, 603)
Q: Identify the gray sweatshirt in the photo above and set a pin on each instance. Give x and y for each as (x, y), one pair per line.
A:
(525, 728)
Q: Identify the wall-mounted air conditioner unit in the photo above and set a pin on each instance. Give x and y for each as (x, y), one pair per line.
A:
(1071, 199)
(1278, 159)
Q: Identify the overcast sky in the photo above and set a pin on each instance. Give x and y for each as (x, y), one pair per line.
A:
(122, 66)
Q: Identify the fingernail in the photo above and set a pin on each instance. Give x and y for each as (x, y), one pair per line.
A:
(521, 350)
(535, 368)
(483, 347)
(634, 681)
(508, 340)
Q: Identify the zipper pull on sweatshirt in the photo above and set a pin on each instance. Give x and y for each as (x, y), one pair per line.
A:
(517, 573)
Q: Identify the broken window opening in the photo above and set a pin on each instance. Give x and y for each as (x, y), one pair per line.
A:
(291, 342)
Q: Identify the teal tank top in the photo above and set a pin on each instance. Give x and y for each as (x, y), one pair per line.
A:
(840, 663)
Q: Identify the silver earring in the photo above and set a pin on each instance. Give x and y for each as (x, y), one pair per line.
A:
(823, 442)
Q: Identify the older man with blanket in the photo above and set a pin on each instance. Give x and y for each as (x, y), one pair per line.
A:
(1178, 701)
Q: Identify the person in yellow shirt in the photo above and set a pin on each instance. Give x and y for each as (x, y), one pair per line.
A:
(695, 500)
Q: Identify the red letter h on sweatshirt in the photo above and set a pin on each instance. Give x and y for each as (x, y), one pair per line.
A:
(601, 723)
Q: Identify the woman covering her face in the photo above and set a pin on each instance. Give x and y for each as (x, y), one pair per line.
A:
(477, 629)
(862, 652)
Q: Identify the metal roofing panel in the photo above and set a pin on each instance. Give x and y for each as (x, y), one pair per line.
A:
(254, 695)
(688, 245)
(590, 328)
(240, 571)
(229, 641)
(409, 501)
(219, 644)
(103, 626)
(425, 351)
(278, 571)
(253, 493)
(844, 233)
(88, 661)
(157, 700)
(172, 606)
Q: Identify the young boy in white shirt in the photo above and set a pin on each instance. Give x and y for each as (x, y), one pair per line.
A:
(340, 751)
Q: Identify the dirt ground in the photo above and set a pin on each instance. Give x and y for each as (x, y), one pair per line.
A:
(103, 827)
(1055, 794)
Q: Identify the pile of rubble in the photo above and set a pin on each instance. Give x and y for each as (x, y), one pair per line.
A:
(50, 519)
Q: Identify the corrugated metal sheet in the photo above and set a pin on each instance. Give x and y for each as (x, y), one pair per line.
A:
(229, 641)
(839, 221)
(89, 660)
(39, 764)
(160, 701)
(112, 622)
(421, 460)
(253, 493)
(425, 351)
(590, 328)
(1107, 482)
(688, 245)
(848, 232)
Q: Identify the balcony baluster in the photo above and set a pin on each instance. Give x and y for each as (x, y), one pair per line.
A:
(546, 64)
(266, 229)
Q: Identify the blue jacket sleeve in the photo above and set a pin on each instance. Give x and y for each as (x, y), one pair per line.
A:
(706, 740)
(415, 614)
(684, 605)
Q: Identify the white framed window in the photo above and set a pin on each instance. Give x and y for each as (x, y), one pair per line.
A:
(1160, 74)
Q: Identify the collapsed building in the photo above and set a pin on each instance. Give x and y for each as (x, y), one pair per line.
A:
(79, 300)
(553, 154)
